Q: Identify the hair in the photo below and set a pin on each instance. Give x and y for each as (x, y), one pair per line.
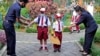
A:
(25, 1)
(78, 8)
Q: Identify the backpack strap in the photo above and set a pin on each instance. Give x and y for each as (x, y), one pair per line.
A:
(38, 19)
(46, 19)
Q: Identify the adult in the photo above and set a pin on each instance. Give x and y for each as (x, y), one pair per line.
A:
(90, 26)
(90, 8)
(12, 15)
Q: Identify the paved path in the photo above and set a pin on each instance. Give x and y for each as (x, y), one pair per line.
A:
(27, 45)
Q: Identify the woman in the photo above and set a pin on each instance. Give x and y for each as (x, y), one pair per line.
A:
(90, 28)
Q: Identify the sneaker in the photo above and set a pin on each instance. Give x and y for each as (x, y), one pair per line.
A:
(40, 48)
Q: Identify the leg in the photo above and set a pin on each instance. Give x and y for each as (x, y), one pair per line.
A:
(11, 39)
(40, 38)
(78, 28)
(88, 41)
(45, 37)
(60, 38)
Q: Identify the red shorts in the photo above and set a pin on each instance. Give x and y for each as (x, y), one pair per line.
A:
(59, 35)
(42, 33)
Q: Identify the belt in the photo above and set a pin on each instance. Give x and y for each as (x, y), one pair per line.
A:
(8, 21)
(42, 26)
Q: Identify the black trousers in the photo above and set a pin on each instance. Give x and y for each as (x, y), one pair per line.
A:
(88, 41)
(10, 36)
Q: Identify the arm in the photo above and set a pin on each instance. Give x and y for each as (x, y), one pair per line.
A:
(17, 12)
(81, 19)
(34, 21)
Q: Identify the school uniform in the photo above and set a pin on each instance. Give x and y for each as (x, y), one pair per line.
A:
(75, 19)
(8, 25)
(43, 22)
(58, 28)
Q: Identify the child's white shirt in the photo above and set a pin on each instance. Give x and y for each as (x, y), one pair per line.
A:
(56, 26)
(44, 20)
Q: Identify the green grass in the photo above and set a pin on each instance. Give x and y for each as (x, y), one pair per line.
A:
(1, 46)
(97, 17)
(95, 49)
(97, 36)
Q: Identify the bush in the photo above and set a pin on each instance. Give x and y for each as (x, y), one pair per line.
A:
(1, 46)
(1, 21)
(1, 26)
(82, 26)
(25, 12)
(97, 18)
(97, 36)
(81, 41)
(95, 50)
(31, 29)
(66, 30)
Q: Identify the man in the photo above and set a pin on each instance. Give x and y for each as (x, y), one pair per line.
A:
(43, 24)
(12, 15)
(90, 26)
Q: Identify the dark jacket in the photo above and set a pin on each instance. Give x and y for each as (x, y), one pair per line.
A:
(88, 21)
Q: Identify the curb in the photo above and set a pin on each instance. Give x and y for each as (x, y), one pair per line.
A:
(3, 50)
(81, 48)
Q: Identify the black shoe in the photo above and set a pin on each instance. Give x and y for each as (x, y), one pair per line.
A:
(70, 32)
(40, 48)
(78, 31)
(55, 50)
(12, 55)
(59, 50)
(46, 49)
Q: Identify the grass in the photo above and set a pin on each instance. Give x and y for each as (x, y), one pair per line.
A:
(96, 44)
(1, 46)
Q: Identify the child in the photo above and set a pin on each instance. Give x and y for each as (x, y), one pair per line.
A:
(74, 19)
(58, 27)
(43, 23)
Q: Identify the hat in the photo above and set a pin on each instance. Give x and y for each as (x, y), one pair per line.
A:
(58, 15)
(42, 9)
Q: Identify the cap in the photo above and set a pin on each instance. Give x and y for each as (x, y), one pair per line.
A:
(42, 9)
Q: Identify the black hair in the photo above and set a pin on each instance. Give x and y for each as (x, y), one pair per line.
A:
(78, 8)
(25, 1)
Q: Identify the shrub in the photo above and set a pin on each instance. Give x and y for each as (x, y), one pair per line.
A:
(25, 12)
(95, 50)
(31, 29)
(82, 26)
(97, 36)
(66, 30)
(1, 27)
(1, 45)
(81, 41)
